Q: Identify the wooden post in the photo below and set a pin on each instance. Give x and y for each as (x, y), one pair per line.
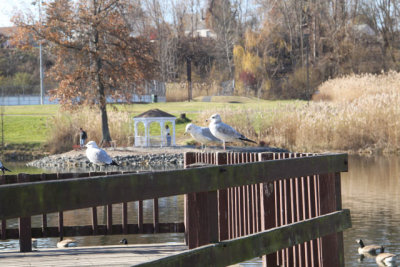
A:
(60, 215)
(124, 218)
(109, 219)
(3, 222)
(61, 225)
(94, 213)
(44, 216)
(94, 221)
(25, 234)
(223, 211)
(189, 158)
(140, 216)
(3, 229)
(25, 231)
(268, 207)
(330, 197)
(155, 216)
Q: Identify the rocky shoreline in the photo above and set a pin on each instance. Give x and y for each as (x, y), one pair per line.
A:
(81, 161)
(134, 157)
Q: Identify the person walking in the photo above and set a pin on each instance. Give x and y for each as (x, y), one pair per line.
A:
(168, 135)
(82, 137)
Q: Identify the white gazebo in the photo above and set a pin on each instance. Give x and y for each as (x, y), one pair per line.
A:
(148, 117)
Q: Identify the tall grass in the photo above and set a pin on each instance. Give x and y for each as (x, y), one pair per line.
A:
(351, 87)
(365, 118)
(65, 128)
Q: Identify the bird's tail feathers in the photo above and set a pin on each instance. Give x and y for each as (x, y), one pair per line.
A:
(114, 163)
(248, 140)
(5, 169)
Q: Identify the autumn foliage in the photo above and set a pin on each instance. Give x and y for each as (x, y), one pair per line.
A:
(94, 50)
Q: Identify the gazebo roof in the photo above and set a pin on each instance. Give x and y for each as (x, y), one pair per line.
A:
(155, 113)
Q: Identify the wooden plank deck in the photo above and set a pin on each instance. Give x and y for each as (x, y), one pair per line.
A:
(119, 255)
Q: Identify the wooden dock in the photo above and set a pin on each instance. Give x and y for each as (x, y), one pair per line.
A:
(120, 255)
(283, 207)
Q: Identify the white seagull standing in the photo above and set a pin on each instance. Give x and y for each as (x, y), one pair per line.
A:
(2, 168)
(225, 132)
(201, 134)
(97, 155)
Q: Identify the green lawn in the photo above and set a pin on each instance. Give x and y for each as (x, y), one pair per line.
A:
(25, 129)
(29, 124)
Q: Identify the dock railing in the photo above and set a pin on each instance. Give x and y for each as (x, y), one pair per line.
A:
(241, 201)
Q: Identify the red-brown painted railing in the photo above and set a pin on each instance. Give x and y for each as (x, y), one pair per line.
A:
(95, 229)
(252, 208)
(269, 197)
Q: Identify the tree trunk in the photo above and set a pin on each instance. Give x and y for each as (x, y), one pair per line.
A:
(101, 97)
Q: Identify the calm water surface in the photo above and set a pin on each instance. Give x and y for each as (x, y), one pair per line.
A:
(371, 190)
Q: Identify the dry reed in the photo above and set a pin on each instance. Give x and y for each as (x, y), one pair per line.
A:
(366, 119)
(65, 132)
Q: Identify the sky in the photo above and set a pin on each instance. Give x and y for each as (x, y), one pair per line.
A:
(8, 8)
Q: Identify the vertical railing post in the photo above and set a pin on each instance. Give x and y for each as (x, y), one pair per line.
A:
(3, 222)
(140, 216)
(189, 158)
(223, 222)
(330, 200)
(268, 209)
(201, 211)
(109, 219)
(25, 234)
(60, 217)
(124, 218)
(155, 215)
(94, 214)
(3, 229)
(25, 231)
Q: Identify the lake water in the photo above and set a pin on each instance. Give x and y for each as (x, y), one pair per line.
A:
(371, 190)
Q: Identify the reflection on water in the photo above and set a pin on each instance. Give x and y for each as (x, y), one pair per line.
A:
(371, 190)
(170, 210)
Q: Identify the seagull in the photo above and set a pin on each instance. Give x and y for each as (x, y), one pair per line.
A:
(225, 132)
(3, 169)
(66, 243)
(201, 134)
(97, 155)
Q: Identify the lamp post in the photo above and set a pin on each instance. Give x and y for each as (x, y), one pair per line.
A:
(40, 54)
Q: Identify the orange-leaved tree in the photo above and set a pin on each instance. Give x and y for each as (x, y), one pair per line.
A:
(96, 52)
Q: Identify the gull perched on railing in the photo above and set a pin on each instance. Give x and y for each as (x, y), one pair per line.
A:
(225, 132)
(2, 168)
(97, 155)
(202, 135)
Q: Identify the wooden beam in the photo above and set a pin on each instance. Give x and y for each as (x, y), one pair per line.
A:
(26, 199)
(245, 248)
(86, 230)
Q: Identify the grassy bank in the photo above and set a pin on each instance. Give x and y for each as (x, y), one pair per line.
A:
(353, 113)
(58, 129)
